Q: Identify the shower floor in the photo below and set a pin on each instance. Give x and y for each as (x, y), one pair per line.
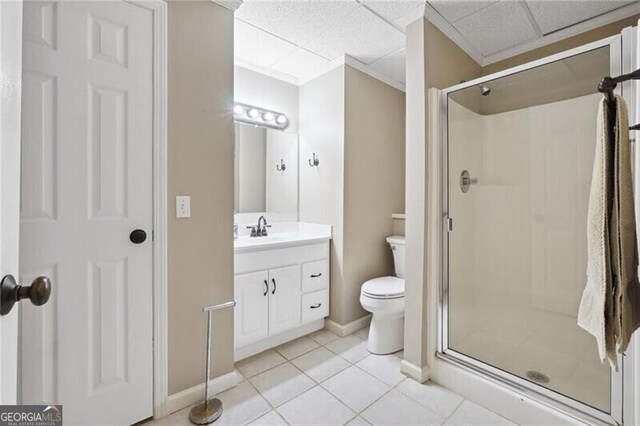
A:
(523, 339)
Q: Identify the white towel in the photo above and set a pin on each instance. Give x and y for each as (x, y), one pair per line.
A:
(610, 306)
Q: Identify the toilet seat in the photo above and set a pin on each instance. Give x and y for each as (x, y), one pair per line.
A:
(384, 288)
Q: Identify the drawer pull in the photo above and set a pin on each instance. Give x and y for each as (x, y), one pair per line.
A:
(266, 288)
(316, 275)
(315, 306)
(274, 286)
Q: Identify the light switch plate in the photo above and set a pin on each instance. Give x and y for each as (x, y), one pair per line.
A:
(183, 206)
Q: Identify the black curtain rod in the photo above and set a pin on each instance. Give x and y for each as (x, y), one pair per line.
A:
(608, 84)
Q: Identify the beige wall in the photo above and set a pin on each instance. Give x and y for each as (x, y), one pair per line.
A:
(374, 183)
(433, 60)
(398, 227)
(200, 165)
(354, 123)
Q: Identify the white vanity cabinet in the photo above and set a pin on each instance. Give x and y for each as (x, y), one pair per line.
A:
(281, 293)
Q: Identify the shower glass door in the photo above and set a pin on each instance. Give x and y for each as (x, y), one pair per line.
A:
(519, 159)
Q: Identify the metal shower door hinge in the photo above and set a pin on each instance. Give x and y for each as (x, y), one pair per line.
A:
(449, 224)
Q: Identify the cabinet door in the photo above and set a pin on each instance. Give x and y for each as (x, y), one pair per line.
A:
(252, 310)
(284, 299)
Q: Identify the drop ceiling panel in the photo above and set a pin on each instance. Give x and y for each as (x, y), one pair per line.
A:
(553, 15)
(393, 66)
(394, 10)
(296, 21)
(301, 64)
(498, 27)
(362, 35)
(453, 11)
(258, 47)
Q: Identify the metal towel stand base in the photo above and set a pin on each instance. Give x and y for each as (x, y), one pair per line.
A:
(209, 410)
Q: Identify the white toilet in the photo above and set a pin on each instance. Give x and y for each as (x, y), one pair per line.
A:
(384, 298)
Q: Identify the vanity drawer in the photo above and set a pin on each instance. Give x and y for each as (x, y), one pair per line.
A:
(315, 305)
(315, 275)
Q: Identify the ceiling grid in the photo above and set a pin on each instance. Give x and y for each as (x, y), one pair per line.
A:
(295, 39)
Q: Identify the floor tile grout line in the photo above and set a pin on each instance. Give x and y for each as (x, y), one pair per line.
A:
(455, 409)
(320, 384)
(376, 400)
(264, 371)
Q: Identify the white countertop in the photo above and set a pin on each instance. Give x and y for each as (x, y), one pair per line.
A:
(286, 234)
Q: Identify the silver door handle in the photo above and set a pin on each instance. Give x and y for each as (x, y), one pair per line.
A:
(466, 181)
(10, 292)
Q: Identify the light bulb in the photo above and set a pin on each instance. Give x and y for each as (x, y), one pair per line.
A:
(281, 119)
(238, 110)
(253, 113)
(268, 116)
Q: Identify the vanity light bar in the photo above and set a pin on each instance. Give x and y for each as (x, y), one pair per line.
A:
(257, 116)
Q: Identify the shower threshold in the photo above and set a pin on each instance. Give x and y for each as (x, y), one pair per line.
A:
(563, 404)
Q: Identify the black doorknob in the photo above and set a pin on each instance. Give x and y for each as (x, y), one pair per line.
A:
(10, 292)
(138, 236)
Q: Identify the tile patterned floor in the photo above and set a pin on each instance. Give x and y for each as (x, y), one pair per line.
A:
(324, 379)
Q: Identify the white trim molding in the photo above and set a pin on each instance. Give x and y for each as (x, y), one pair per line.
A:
(159, 233)
(330, 66)
(360, 66)
(160, 226)
(195, 394)
(349, 328)
(419, 374)
(232, 5)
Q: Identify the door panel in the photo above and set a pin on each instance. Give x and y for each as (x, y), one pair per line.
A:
(87, 183)
(284, 299)
(252, 309)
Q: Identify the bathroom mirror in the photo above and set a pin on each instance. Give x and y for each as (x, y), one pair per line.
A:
(266, 170)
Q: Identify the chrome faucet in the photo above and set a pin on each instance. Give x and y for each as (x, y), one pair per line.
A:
(261, 231)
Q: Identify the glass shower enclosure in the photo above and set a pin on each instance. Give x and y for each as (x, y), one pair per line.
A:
(518, 150)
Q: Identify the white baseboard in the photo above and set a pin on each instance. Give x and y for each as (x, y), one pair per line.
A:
(420, 374)
(272, 342)
(195, 394)
(349, 328)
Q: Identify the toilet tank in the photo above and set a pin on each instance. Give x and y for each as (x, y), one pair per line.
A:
(397, 246)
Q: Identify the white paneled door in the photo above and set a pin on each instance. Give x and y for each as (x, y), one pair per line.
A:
(86, 186)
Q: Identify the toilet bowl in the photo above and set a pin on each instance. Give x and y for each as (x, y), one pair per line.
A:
(384, 298)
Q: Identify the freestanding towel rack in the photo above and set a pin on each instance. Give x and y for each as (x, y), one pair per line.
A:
(210, 409)
(608, 84)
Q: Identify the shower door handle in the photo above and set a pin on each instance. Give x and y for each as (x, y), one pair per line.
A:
(466, 181)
